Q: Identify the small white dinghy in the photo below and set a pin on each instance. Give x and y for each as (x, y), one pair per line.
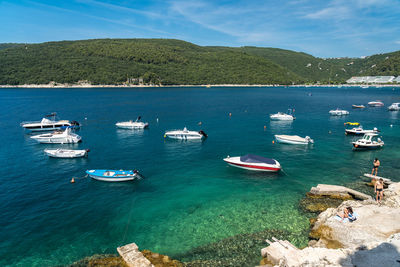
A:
(66, 153)
(254, 163)
(137, 124)
(293, 139)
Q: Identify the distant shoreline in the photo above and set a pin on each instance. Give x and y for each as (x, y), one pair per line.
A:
(187, 85)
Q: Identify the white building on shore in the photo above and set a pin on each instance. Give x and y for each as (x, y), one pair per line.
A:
(373, 79)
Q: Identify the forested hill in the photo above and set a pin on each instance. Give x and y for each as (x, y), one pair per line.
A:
(167, 62)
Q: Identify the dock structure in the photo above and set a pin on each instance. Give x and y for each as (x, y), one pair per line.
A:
(133, 257)
(387, 181)
(337, 190)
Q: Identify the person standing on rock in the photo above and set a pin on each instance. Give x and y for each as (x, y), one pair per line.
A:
(377, 163)
(379, 190)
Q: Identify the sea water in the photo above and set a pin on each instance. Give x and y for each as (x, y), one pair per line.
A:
(190, 197)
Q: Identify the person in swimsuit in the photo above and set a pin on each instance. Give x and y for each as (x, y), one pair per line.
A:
(377, 163)
(347, 213)
(379, 190)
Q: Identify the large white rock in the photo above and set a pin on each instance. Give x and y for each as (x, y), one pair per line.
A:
(373, 240)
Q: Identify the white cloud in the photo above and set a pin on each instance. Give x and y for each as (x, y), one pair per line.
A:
(337, 13)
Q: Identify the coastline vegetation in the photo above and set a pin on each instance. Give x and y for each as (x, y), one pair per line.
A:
(175, 62)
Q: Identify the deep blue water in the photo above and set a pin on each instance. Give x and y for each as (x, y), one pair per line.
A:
(190, 197)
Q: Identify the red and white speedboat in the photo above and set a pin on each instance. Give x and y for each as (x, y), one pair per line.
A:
(254, 163)
(376, 103)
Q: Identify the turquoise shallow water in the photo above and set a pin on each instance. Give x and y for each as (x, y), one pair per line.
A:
(190, 196)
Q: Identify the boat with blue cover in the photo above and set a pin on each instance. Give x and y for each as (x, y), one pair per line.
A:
(254, 163)
(114, 175)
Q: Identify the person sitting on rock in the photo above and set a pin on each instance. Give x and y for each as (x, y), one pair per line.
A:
(347, 214)
(351, 215)
(344, 214)
(379, 190)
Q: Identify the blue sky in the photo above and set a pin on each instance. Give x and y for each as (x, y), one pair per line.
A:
(324, 28)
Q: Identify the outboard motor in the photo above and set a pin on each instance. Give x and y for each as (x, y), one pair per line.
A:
(203, 133)
(75, 123)
(139, 176)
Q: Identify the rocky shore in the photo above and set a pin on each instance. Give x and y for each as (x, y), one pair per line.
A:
(371, 240)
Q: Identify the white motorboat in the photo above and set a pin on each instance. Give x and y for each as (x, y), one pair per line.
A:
(394, 107)
(338, 112)
(360, 131)
(185, 134)
(137, 124)
(368, 142)
(114, 175)
(66, 153)
(254, 163)
(280, 116)
(376, 103)
(294, 139)
(58, 137)
(49, 123)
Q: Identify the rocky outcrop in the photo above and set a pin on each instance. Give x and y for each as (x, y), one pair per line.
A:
(371, 240)
(336, 191)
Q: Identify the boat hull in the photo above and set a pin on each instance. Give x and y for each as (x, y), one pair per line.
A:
(353, 132)
(235, 162)
(61, 140)
(366, 147)
(132, 126)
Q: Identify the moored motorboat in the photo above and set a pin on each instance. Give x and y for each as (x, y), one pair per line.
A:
(114, 175)
(338, 112)
(294, 139)
(185, 134)
(254, 163)
(360, 131)
(58, 137)
(394, 107)
(280, 116)
(368, 142)
(376, 103)
(137, 124)
(66, 153)
(357, 106)
(49, 123)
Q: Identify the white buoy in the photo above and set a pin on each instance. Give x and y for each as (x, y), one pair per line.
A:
(391, 125)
